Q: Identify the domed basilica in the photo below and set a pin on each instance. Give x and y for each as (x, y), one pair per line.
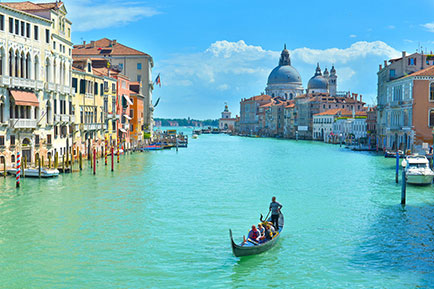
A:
(285, 82)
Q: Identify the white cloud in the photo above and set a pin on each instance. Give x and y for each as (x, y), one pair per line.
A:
(391, 27)
(357, 50)
(429, 26)
(89, 15)
(353, 35)
(223, 87)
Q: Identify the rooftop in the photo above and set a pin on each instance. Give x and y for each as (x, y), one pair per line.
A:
(103, 47)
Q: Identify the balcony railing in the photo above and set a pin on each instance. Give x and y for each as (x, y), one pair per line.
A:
(5, 80)
(22, 123)
(91, 126)
(51, 86)
(39, 84)
(64, 118)
(72, 118)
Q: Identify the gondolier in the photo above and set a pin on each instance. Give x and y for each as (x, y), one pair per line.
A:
(275, 211)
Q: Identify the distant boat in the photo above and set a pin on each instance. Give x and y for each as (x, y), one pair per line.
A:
(252, 248)
(152, 148)
(34, 173)
(195, 136)
(392, 154)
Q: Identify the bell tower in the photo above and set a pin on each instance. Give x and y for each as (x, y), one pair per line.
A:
(333, 81)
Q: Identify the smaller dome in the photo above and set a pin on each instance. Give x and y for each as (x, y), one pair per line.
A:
(317, 81)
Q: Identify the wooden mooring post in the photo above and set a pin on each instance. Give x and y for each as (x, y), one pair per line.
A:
(397, 167)
(39, 167)
(80, 159)
(24, 166)
(403, 188)
(94, 161)
(113, 158)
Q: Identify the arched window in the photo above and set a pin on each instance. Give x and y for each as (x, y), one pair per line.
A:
(13, 158)
(47, 70)
(11, 63)
(431, 91)
(17, 64)
(28, 67)
(36, 70)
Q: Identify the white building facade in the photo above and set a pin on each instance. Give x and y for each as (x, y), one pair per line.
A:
(35, 87)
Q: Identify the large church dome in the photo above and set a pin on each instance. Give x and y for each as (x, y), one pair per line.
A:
(284, 73)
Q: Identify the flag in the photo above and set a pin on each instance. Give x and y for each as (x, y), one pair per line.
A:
(157, 80)
(156, 103)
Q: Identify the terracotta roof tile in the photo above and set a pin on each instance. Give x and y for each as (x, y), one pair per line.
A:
(105, 46)
(29, 6)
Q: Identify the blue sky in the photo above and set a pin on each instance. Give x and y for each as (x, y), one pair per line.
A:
(211, 52)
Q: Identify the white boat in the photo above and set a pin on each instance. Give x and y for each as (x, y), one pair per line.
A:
(195, 136)
(45, 173)
(417, 170)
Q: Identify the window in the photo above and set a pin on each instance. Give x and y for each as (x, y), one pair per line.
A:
(113, 88)
(49, 139)
(37, 139)
(2, 22)
(54, 45)
(82, 86)
(139, 78)
(124, 84)
(47, 36)
(89, 69)
(74, 83)
(28, 30)
(101, 89)
(392, 73)
(17, 27)
(55, 106)
(431, 117)
(13, 158)
(139, 66)
(2, 140)
(431, 91)
(11, 25)
(12, 140)
(96, 88)
(23, 28)
(131, 113)
(36, 32)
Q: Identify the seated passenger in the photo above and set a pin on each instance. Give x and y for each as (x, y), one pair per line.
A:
(261, 230)
(254, 234)
(272, 227)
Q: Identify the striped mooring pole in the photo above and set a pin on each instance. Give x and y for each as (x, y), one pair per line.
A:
(119, 145)
(105, 151)
(18, 169)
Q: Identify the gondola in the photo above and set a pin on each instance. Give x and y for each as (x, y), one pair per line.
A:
(252, 248)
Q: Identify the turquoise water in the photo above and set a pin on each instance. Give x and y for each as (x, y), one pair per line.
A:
(162, 219)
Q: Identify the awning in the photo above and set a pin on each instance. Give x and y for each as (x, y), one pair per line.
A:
(127, 116)
(122, 130)
(128, 99)
(24, 98)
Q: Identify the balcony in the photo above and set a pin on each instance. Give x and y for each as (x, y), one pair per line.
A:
(5, 80)
(50, 86)
(39, 84)
(91, 126)
(65, 89)
(23, 82)
(22, 123)
(64, 118)
(72, 118)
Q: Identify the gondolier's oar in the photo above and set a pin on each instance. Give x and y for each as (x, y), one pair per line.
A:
(253, 242)
(265, 217)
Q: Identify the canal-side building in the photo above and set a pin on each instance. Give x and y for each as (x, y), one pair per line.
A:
(323, 123)
(392, 70)
(35, 88)
(408, 111)
(371, 126)
(227, 122)
(350, 127)
(250, 112)
(274, 117)
(136, 114)
(133, 64)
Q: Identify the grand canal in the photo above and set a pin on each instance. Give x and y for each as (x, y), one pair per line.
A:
(162, 219)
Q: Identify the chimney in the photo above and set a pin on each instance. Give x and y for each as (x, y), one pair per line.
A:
(92, 44)
(403, 54)
(115, 42)
(385, 63)
(84, 42)
(361, 98)
(381, 67)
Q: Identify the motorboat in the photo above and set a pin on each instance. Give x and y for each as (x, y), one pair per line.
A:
(392, 154)
(194, 136)
(417, 170)
(34, 172)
